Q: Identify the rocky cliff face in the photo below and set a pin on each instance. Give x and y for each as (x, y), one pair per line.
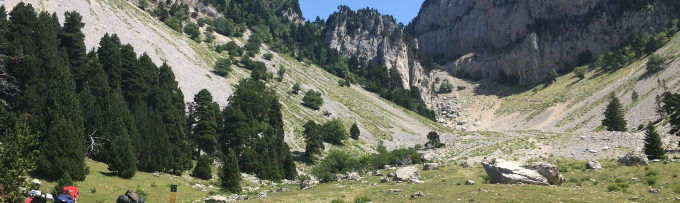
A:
(376, 38)
(523, 40)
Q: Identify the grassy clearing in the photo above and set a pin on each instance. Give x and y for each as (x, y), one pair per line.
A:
(447, 185)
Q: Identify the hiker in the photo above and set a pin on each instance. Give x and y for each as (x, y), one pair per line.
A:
(130, 197)
(68, 195)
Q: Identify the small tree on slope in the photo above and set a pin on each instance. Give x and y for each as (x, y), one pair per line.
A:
(613, 116)
(653, 144)
(230, 175)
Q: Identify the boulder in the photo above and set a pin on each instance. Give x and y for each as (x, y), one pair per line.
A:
(390, 175)
(339, 177)
(395, 190)
(36, 182)
(547, 170)
(384, 180)
(352, 176)
(634, 159)
(507, 172)
(222, 199)
(417, 195)
(469, 182)
(430, 166)
(308, 183)
(594, 164)
(408, 174)
(378, 173)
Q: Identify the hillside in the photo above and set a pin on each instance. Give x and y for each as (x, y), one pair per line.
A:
(570, 104)
(192, 63)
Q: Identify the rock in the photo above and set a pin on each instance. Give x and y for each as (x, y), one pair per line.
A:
(378, 173)
(430, 166)
(261, 195)
(656, 160)
(469, 182)
(395, 190)
(417, 195)
(591, 150)
(593, 164)
(390, 175)
(653, 190)
(633, 159)
(36, 182)
(506, 172)
(200, 187)
(308, 183)
(353, 176)
(547, 170)
(283, 189)
(384, 180)
(408, 174)
(222, 199)
(634, 179)
(466, 165)
(339, 177)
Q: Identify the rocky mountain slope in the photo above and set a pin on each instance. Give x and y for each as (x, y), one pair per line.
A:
(377, 38)
(522, 40)
(378, 119)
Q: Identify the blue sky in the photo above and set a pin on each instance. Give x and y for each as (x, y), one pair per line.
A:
(403, 10)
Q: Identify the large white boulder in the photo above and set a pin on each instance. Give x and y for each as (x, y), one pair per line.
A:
(507, 172)
(408, 174)
(634, 159)
(594, 164)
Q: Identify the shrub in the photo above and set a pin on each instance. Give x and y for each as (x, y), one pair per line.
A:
(280, 73)
(656, 63)
(613, 188)
(354, 131)
(552, 76)
(191, 29)
(433, 140)
(202, 169)
(397, 157)
(580, 72)
(312, 100)
(334, 132)
(268, 56)
(338, 162)
(222, 67)
(651, 181)
(296, 88)
(445, 88)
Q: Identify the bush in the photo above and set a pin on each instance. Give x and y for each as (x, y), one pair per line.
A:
(191, 29)
(656, 63)
(312, 100)
(580, 72)
(433, 140)
(552, 76)
(613, 188)
(338, 162)
(445, 88)
(268, 56)
(227, 27)
(354, 131)
(202, 169)
(397, 157)
(333, 132)
(296, 88)
(222, 67)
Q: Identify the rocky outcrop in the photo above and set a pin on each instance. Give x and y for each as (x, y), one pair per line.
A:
(375, 38)
(506, 172)
(408, 174)
(634, 159)
(522, 40)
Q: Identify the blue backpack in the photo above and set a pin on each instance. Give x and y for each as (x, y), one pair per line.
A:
(64, 198)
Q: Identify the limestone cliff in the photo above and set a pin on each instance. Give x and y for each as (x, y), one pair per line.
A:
(376, 38)
(523, 40)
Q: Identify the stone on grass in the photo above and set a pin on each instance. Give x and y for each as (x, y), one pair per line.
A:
(507, 172)
(634, 159)
(594, 164)
(469, 182)
(417, 195)
(430, 166)
(408, 174)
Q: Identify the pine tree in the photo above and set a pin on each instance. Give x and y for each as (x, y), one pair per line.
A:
(230, 175)
(205, 130)
(170, 102)
(354, 132)
(64, 181)
(64, 149)
(614, 116)
(433, 140)
(73, 40)
(653, 144)
(110, 57)
(202, 169)
(17, 154)
(122, 158)
(312, 135)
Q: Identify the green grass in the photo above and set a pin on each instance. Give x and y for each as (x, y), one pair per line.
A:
(611, 184)
(108, 188)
